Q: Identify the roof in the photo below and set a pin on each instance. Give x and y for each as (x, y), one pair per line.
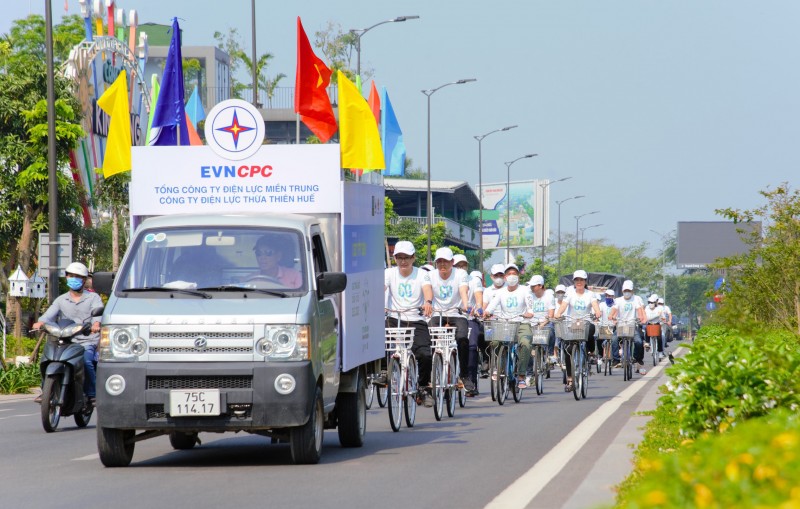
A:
(464, 193)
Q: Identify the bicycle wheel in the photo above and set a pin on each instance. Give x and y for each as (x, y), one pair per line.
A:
(410, 394)
(493, 374)
(437, 385)
(513, 381)
(585, 372)
(538, 368)
(501, 386)
(383, 395)
(453, 386)
(394, 390)
(576, 378)
(369, 391)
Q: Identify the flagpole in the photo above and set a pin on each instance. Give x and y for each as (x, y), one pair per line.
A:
(297, 129)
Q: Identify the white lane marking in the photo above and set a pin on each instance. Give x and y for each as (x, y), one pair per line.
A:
(531, 483)
(5, 409)
(89, 457)
(19, 415)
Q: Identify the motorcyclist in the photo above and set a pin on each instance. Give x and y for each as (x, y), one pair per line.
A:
(77, 305)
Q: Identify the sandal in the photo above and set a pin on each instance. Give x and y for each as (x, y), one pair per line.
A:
(568, 387)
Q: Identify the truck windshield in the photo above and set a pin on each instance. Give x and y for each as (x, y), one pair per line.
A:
(215, 258)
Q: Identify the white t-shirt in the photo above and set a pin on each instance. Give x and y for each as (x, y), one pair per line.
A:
(605, 311)
(488, 293)
(510, 305)
(579, 305)
(446, 291)
(541, 306)
(653, 314)
(406, 292)
(475, 285)
(626, 308)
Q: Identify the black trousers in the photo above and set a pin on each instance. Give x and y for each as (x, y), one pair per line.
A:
(421, 348)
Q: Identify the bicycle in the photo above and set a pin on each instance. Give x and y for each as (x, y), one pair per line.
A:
(605, 332)
(503, 360)
(574, 335)
(626, 330)
(401, 375)
(445, 370)
(539, 342)
(653, 335)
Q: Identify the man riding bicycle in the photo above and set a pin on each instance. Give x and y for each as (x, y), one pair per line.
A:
(543, 306)
(627, 309)
(475, 306)
(408, 289)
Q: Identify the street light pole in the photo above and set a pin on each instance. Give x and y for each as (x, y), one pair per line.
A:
(508, 203)
(429, 93)
(558, 275)
(577, 221)
(544, 188)
(663, 264)
(480, 192)
(583, 235)
(359, 32)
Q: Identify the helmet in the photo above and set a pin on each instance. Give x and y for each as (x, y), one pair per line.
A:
(78, 269)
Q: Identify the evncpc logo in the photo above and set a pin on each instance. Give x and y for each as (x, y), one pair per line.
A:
(234, 129)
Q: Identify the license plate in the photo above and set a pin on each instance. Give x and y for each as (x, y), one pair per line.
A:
(194, 403)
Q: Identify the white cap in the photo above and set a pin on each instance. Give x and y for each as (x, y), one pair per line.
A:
(610, 292)
(404, 247)
(580, 273)
(477, 274)
(78, 269)
(536, 280)
(427, 267)
(561, 288)
(511, 266)
(627, 285)
(459, 258)
(661, 300)
(652, 298)
(498, 268)
(444, 253)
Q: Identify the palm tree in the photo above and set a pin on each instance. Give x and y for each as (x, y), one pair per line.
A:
(264, 82)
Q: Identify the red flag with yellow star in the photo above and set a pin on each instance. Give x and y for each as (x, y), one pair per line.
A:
(310, 90)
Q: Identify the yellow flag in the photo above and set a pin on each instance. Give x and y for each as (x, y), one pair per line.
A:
(114, 101)
(358, 132)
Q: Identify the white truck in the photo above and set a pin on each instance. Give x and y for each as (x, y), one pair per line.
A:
(257, 311)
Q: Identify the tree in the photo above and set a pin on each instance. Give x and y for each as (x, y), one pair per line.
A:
(337, 47)
(264, 82)
(230, 44)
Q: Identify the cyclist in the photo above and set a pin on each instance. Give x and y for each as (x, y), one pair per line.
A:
(543, 307)
(514, 302)
(77, 305)
(578, 303)
(558, 294)
(450, 297)
(475, 303)
(654, 314)
(628, 308)
(409, 289)
(606, 304)
(666, 333)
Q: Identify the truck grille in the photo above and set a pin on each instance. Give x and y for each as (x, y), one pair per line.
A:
(210, 349)
(209, 335)
(155, 411)
(200, 382)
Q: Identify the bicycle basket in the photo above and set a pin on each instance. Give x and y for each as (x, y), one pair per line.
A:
(399, 338)
(577, 330)
(501, 330)
(541, 335)
(605, 331)
(626, 330)
(653, 329)
(442, 337)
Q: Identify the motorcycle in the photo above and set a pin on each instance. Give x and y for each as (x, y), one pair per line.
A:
(62, 371)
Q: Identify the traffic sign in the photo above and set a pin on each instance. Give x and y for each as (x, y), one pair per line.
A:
(64, 253)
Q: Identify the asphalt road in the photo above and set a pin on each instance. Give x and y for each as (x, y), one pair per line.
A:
(463, 462)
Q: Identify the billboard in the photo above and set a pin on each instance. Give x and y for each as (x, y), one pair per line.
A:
(702, 242)
(524, 221)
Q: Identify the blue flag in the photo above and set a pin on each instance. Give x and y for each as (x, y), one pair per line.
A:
(394, 150)
(170, 113)
(194, 108)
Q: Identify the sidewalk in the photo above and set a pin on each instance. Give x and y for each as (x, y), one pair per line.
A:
(4, 398)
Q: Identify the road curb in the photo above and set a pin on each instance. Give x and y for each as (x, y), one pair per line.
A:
(5, 398)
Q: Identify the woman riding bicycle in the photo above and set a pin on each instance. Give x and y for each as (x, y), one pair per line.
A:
(627, 309)
(514, 302)
(409, 289)
(577, 304)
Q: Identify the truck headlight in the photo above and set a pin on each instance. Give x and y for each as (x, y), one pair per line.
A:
(284, 342)
(120, 343)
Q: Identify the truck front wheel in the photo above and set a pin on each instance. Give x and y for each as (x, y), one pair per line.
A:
(115, 446)
(351, 409)
(306, 441)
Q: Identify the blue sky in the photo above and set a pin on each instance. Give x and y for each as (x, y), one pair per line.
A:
(659, 111)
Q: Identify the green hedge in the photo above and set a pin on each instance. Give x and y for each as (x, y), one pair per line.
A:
(19, 379)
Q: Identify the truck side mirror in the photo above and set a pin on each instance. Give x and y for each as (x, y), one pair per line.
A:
(103, 281)
(331, 282)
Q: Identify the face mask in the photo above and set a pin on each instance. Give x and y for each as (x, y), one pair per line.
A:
(652, 305)
(559, 297)
(609, 301)
(627, 295)
(512, 280)
(498, 281)
(75, 283)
